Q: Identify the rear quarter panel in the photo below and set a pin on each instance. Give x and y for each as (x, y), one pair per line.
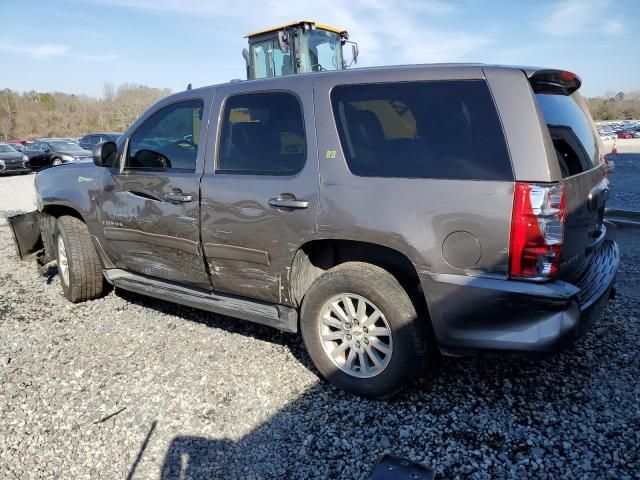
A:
(413, 216)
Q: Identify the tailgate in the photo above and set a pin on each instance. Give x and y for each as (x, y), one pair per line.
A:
(578, 153)
(584, 229)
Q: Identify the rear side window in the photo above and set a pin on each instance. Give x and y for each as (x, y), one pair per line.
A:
(571, 131)
(262, 133)
(168, 139)
(435, 129)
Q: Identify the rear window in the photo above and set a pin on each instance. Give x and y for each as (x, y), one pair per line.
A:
(570, 127)
(262, 133)
(435, 129)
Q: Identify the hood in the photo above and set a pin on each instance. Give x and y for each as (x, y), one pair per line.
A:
(11, 156)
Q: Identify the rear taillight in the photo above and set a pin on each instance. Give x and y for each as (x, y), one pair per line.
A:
(537, 231)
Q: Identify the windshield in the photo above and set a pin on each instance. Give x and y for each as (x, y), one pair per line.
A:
(571, 130)
(66, 146)
(4, 148)
(320, 50)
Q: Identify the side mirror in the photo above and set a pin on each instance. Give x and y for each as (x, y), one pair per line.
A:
(105, 154)
(355, 52)
(47, 150)
(245, 55)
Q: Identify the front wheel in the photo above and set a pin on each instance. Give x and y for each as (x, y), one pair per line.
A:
(78, 263)
(362, 330)
(56, 161)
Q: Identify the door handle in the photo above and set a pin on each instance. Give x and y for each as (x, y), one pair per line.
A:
(288, 200)
(178, 197)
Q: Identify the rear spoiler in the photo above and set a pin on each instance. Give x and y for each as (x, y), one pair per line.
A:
(557, 82)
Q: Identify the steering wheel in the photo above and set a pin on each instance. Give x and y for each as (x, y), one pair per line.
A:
(321, 69)
(184, 143)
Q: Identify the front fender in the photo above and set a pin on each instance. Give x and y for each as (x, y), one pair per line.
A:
(69, 186)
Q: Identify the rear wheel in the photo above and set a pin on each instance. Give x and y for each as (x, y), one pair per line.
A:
(362, 330)
(56, 161)
(78, 263)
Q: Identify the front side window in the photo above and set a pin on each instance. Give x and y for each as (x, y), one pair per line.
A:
(262, 133)
(168, 139)
(429, 129)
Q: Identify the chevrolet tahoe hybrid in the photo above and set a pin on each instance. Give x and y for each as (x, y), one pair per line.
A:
(386, 214)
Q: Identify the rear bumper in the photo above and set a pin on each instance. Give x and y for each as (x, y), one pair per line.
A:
(471, 313)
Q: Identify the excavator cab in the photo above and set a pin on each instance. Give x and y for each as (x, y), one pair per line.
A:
(299, 47)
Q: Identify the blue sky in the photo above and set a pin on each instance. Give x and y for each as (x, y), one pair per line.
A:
(77, 46)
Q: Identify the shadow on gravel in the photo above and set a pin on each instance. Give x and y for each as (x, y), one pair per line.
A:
(229, 324)
(570, 415)
(492, 416)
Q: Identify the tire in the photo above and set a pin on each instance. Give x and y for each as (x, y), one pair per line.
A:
(79, 267)
(56, 162)
(409, 343)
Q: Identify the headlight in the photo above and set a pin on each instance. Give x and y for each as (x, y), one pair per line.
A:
(67, 158)
(25, 158)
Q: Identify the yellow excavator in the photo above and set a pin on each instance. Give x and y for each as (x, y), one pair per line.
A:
(297, 47)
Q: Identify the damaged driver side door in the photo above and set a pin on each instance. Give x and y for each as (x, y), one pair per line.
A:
(149, 207)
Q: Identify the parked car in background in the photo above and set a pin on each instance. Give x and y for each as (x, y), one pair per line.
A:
(625, 135)
(46, 152)
(12, 160)
(18, 144)
(92, 139)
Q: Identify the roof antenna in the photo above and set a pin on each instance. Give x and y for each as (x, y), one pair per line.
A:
(188, 87)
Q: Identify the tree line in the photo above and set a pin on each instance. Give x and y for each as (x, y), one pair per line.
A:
(35, 114)
(619, 106)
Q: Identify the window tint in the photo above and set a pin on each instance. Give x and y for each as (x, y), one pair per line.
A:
(262, 133)
(571, 131)
(438, 129)
(168, 139)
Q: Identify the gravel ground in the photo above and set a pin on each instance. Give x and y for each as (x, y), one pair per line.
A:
(131, 387)
(625, 182)
(16, 195)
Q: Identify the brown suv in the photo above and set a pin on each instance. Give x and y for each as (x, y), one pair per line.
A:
(386, 213)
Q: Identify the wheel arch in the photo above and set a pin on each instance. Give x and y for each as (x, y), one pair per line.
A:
(48, 216)
(58, 210)
(317, 256)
